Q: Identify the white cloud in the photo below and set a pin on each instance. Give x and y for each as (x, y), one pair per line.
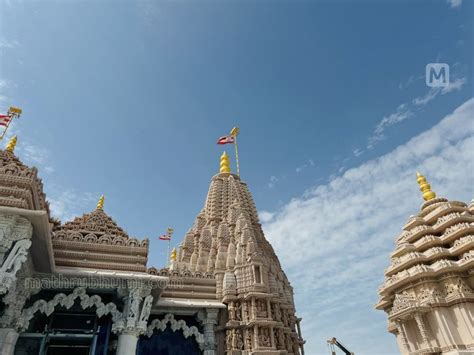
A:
(454, 3)
(334, 242)
(358, 152)
(265, 216)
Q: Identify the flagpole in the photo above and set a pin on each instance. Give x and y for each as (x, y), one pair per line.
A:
(234, 132)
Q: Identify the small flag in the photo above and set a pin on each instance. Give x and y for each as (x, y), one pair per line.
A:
(4, 120)
(165, 237)
(226, 140)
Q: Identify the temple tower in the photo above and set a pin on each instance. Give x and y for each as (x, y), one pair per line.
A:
(227, 240)
(428, 289)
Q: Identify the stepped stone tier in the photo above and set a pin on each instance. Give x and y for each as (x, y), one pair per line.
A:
(428, 292)
(85, 284)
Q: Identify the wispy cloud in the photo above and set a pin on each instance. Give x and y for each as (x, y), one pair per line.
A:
(307, 164)
(272, 182)
(4, 43)
(338, 236)
(66, 204)
(455, 85)
(401, 113)
(357, 152)
(408, 110)
(454, 3)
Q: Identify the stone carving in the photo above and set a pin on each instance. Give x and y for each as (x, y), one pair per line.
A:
(239, 343)
(161, 324)
(262, 308)
(146, 309)
(13, 263)
(231, 309)
(228, 339)
(276, 312)
(67, 301)
(248, 340)
(238, 311)
(403, 301)
(264, 338)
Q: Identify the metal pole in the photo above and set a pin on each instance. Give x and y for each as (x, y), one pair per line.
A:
(237, 155)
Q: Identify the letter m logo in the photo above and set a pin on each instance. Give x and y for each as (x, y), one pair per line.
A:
(437, 75)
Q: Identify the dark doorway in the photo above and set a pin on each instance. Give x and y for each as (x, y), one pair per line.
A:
(167, 343)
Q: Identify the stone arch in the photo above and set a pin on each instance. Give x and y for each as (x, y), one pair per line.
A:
(175, 325)
(67, 301)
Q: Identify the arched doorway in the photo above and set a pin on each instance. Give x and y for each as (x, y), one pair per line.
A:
(167, 342)
(170, 336)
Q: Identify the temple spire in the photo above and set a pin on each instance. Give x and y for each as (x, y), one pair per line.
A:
(100, 204)
(225, 164)
(425, 188)
(11, 144)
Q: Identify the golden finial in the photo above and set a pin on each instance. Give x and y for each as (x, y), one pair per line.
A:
(173, 256)
(100, 204)
(225, 164)
(11, 144)
(425, 188)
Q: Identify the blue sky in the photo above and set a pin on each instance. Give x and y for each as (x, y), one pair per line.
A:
(128, 98)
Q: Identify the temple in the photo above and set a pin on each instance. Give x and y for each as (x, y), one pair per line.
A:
(84, 286)
(428, 289)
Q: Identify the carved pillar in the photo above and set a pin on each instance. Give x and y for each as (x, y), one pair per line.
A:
(269, 309)
(209, 320)
(14, 301)
(272, 338)
(127, 343)
(422, 328)
(401, 332)
(135, 319)
(8, 338)
(253, 309)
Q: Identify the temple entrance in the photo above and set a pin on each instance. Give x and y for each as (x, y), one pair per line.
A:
(167, 342)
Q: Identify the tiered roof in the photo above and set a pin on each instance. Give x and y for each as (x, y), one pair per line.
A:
(433, 259)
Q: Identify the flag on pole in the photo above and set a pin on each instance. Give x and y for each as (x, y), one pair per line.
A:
(165, 237)
(226, 140)
(5, 120)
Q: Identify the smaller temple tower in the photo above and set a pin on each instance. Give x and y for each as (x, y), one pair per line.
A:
(428, 289)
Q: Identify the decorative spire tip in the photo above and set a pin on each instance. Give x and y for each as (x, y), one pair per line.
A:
(425, 188)
(173, 256)
(225, 164)
(100, 204)
(11, 144)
